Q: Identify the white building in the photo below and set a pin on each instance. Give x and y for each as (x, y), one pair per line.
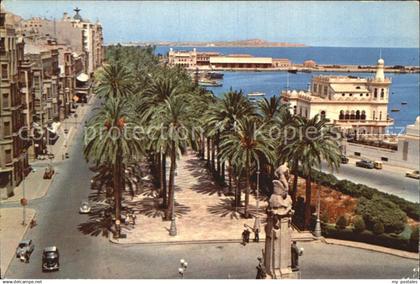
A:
(356, 105)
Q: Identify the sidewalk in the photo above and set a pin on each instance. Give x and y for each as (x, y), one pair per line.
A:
(35, 185)
(11, 233)
(202, 215)
(401, 253)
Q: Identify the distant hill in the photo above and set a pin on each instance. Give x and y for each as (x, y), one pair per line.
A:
(236, 43)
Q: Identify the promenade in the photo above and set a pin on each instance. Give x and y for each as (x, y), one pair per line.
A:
(203, 213)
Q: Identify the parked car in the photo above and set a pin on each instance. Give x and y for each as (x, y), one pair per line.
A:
(344, 159)
(413, 174)
(365, 164)
(25, 247)
(50, 259)
(377, 165)
(84, 208)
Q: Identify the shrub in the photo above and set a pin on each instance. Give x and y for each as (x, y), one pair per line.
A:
(359, 224)
(324, 217)
(414, 238)
(384, 211)
(341, 223)
(378, 228)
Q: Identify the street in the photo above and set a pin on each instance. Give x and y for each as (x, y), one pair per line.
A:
(85, 256)
(386, 180)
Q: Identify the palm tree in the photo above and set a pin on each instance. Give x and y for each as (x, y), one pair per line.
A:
(114, 80)
(222, 116)
(111, 142)
(175, 117)
(316, 142)
(245, 146)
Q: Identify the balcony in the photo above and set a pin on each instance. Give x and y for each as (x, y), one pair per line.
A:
(386, 122)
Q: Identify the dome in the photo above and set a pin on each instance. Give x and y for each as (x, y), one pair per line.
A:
(381, 61)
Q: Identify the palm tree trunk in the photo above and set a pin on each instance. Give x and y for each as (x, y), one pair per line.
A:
(230, 176)
(163, 178)
(117, 191)
(222, 177)
(247, 189)
(213, 150)
(308, 201)
(218, 155)
(171, 183)
(238, 191)
(208, 152)
(293, 194)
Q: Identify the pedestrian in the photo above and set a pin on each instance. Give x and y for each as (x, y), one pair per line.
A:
(256, 235)
(26, 257)
(245, 236)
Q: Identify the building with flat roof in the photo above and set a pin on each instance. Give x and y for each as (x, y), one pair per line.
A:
(355, 105)
(232, 62)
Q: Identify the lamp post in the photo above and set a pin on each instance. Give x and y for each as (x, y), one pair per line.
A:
(172, 229)
(317, 231)
(257, 217)
(183, 267)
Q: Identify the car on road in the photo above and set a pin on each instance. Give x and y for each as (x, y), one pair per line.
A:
(365, 164)
(84, 208)
(344, 159)
(50, 259)
(25, 247)
(413, 174)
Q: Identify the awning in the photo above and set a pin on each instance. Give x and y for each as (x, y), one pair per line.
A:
(83, 77)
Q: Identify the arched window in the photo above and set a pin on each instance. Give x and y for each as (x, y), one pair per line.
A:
(294, 109)
(375, 93)
(382, 94)
(363, 115)
(380, 115)
(373, 115)
(341, 115)
(323, 114)
(358, 114)
(306, 112)
(347, 116)
(352, 115)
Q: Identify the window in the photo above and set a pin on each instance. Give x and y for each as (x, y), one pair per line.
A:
(6, 131)
(358, 87)
(4, 73)
(361, 95)
(382, 94)
(347, 116)
(343, 94)
(380, 115)
(294, 109)
(323, 114)
(385, 159)
(357, 114)
(315, 88)
(375, 93)
(350, 94)
(357, 154)
(8, 156)
(363, 115)
(6, 101)
(325, 90)
(341, 116)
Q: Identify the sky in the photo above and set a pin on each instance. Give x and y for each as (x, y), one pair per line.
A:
(314, 23)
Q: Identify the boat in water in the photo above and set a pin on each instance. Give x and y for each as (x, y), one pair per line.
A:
(209, 83)
(214, 75)
(395, 110)
(256, 94)
(403, 103)
(293, 71)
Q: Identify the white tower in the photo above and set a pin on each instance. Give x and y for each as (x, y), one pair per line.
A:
(379, 76)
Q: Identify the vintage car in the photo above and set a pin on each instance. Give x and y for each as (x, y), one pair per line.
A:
(50, 259)
(365, 164)
(413, 174)
(344, 159)
(25, 247)
(49, 172)
(84, 208)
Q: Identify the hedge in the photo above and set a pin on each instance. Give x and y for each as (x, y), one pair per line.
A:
(347, 187)
(386, 240)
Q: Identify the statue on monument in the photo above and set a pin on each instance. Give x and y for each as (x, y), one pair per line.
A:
(280, 202)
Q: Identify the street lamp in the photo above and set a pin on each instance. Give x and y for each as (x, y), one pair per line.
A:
(183, 267)
(257, 217)
(172, 229)
(317, 231)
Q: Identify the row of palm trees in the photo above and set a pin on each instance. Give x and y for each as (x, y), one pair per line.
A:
(174, 114)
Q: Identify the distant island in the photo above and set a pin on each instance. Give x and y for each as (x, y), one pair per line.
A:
(236, 43)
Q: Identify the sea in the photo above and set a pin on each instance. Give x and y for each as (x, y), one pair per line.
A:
(404, 87)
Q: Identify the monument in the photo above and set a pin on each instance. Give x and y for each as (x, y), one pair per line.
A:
(277, 254)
